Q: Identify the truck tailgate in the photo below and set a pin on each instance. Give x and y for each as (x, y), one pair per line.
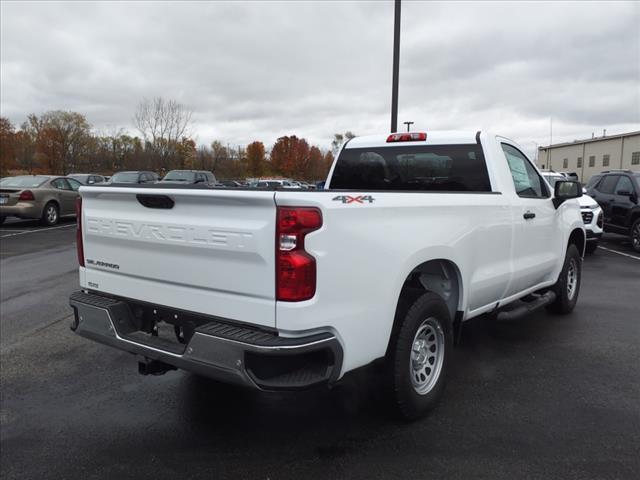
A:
(200, 250)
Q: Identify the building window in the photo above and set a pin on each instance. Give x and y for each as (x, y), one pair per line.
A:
(565, 163)
(605, 160)
(635, 158)
(592, 161)
(579, 162)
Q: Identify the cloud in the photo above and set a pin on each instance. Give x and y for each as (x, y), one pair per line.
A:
(257, 70)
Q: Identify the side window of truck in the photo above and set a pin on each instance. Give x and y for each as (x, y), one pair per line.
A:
(526, 179)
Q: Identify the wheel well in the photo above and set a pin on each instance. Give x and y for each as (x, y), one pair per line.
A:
(441, 277)
(577, 238)
(55, 202)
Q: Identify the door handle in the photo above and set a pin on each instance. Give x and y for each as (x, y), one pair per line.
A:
(529, 215)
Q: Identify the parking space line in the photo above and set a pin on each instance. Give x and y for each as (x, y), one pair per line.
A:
(619, 253)
(36, 231)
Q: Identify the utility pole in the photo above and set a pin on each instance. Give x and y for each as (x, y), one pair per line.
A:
(550, 142)
(396, 67)
(408, 124)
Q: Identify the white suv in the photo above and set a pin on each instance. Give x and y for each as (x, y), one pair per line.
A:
(591, 212)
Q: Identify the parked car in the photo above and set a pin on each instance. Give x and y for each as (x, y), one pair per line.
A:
(229, 183)
(618, 192)
(87, 178)
(591, 212)
(187, 177)
(278, 184)
(134, 177)
(283, 290)
(43, 197)
(571, 176)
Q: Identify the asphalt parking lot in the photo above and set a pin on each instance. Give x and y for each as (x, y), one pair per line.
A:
(545, 397)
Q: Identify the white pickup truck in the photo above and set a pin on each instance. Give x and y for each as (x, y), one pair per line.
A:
(414, 234)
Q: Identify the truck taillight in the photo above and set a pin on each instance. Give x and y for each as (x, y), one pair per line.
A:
(295, 268)
(26, 195)
(79, 244)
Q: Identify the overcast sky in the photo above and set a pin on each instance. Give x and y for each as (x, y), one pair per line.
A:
(259, 70)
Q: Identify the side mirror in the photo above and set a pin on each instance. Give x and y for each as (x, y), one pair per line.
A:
(91, 182)
(566, 190)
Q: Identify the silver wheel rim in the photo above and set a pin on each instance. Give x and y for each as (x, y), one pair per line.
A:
(635, 236)
(572, 278)
(427, 356)
(52, 214)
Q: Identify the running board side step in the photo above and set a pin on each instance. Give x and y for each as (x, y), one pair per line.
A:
(526, 308)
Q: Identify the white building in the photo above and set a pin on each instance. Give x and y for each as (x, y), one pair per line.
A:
(594, 155)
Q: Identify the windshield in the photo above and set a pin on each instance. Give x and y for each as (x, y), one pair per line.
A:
(179, 176)
(23, 182)
(125, 177)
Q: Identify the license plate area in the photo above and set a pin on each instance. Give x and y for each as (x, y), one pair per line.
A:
(159, 327)
(4, 199)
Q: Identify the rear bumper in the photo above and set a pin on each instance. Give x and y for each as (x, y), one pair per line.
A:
(218, 349)
(21, 210)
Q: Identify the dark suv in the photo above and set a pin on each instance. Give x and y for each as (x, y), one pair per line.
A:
(617, 192)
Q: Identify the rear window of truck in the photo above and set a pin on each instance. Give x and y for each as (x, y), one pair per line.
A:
(424, 168)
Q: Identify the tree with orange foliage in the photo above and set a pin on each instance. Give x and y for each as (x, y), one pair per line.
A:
(62, 140)
(186, 151)
(290, 156)
(255, 159)
(7, 146)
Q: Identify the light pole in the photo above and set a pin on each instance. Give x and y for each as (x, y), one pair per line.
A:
(396, 67)
(408, 124)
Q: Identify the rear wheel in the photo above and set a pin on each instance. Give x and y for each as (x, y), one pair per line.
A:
(418, 357)
(567, 287)
(591, 247)
(2, 220)
(50, 214)
(635, 235)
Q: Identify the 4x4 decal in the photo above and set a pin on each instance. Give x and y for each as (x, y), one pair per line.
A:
(350, 199)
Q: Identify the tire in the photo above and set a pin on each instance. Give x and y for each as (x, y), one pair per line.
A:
(635, 235)
(591, 247)
(50, 214)
(2, 219)
(416, 377)
(567, 288)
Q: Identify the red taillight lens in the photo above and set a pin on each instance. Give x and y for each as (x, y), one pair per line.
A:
(26, 195)
(295, 268)
(79, 244)
(407, 137)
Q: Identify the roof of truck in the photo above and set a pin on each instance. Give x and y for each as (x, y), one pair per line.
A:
(435, 137)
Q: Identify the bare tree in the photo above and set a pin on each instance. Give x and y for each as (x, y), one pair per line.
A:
(162, 123)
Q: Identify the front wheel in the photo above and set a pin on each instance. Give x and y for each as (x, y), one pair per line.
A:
(418, 357)
(635, 235)
(567, 287)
